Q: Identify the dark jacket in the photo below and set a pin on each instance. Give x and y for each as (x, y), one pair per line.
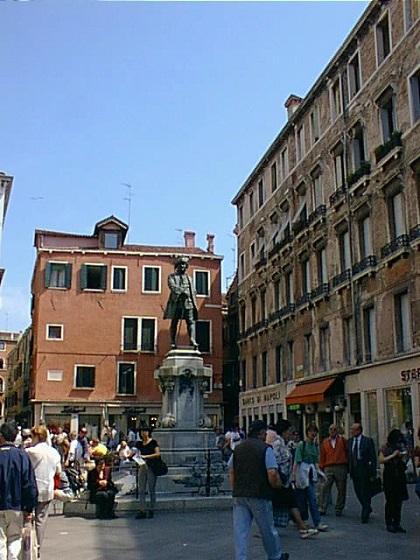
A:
(94, 486)
(366, 465)
(250, 472)
(18, 489)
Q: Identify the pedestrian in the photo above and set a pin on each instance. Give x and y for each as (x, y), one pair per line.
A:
(83, 440)
(362, 467)
(102, 490)
(233, 438)
(285, 498)
(46, 463)
(306, 473)
(75, 454)
(97, 450)
(333, 461)
(253, 474)
(149, 452)
(416, 459)
(394, 456)
(18, 493)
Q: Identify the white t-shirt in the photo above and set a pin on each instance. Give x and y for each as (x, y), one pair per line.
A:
(45, 462)
(75, 450)
(234, 438)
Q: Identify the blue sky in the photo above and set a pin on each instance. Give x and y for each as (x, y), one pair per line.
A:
(178, 99)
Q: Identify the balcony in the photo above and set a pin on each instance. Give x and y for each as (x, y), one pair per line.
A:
(338, 196)
(303, 300)
(277, 247)
(384, 149)
(364, 264)
(400, 243)
(341, 278)
(319, 212)
(354, 177)
(415, 233)
(262, 261)
(300, 226)
(321, 291)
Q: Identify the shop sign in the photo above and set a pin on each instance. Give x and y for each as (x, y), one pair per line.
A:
(408, 375)
(262, 398)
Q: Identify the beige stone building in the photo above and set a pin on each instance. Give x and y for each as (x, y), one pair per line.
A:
(328, 237)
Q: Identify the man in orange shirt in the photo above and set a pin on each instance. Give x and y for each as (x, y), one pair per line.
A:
(334, 462)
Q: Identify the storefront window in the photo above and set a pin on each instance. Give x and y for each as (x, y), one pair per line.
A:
(398, 408)
(373, 428)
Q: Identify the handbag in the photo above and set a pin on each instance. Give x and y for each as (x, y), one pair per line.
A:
(375, 486)
(158, 467)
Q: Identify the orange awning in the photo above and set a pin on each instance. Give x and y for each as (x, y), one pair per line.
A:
(309, 392)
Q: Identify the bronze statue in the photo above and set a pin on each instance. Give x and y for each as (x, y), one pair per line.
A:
(181, 303)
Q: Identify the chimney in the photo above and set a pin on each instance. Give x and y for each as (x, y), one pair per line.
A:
(189, 238)
(210, 243)
(292, 103)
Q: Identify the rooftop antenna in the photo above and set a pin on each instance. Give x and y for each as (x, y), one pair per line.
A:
(128, 198)
(179, 230)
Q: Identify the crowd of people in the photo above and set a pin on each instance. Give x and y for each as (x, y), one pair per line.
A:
(275, 478)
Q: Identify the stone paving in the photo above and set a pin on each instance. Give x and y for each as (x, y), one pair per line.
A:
(208, 536)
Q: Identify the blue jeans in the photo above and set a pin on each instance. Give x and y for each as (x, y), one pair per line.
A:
(244, 511)
(307, 496)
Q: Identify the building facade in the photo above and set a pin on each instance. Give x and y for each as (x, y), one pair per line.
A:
(6, 182)
(8, 342)
(230, 357)
(17, 404)
(328, 233)
(98, 328)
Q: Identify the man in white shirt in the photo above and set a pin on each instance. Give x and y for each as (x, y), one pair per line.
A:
(46, 463)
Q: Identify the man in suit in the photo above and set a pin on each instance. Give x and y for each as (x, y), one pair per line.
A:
(362, 467)
(182, 302)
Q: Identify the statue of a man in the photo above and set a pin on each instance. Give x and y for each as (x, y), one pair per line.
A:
(181, 303)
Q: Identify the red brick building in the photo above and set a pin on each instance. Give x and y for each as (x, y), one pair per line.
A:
(98, 328)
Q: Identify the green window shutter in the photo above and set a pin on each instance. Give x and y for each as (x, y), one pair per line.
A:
(103, 277)
(68, 275)
(47, 275)
(83, 277)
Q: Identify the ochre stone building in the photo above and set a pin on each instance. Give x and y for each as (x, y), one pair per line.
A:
(328, 237)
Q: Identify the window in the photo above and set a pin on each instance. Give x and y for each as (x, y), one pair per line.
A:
(358, 147)
(277, 294)
(306, 276)
(126, 378)
(242, 266)
(202, 282)
(387, 115)
(348, 344)
(242, 316)
(399, 408)
(58, 275)
(243, 375)
(2, 345)
(2, 365)
(151, 279)
(260, 193)
(317, 188)
(93, 277)
(130, 333)
(264, 368)
(251, 203)
(84, 377)
(254, 371)
(241, 216)
(252, 252)
(383, 39)
(307, 354)
(54, 375)
(365, 238)
(1, 386)
(324, 348)
(344, 245)
(402, 322)
(148, 334)
(289, 288)
(119, 278)
(354, 75)
(279, 364)
(369, 333)
(284, 163)
(111, 240)
(396, 215)
(314, 120)
(290, 360)
(253, 310)
(263, 305)
(339, 168)
(54, 332)
(203, 336)
(415, 96)
(274, 177)
(300, 143)
(335, 93)
(322, 266)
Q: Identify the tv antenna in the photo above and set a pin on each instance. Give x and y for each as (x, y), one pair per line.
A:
(128, 198)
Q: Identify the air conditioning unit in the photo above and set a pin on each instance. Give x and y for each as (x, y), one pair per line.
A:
(310, 409)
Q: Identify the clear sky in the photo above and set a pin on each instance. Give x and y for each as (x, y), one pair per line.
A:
(178, 99)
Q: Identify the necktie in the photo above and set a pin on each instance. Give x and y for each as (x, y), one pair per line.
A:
(356, 451)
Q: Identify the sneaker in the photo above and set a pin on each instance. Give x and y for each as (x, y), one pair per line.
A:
(306, 533)
(322, 527)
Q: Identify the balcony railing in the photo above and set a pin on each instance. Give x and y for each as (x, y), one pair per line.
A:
(338, 195)
(341, 278)
(367, 262)
(280, 244)
(363, 170)
(415, 232)
(303, 300)
(384, 149)
(400, 242)
(300, 225)
(319, 211)
(321, 290)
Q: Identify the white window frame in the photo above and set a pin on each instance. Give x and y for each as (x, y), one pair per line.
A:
(58, 287)
(139, 335)
(48, 325)
(75, 376)
(118, 290)
(335, 115)
(383, 16)
(117, 380)
(208, 282)
(55, 375)
(210, 334)
(374, 338)
(349, 77)
(143, 275)
(413, 121)
(122, 333)
(99, 290)
(111, 232)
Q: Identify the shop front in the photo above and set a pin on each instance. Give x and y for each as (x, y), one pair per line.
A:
(265, 403)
